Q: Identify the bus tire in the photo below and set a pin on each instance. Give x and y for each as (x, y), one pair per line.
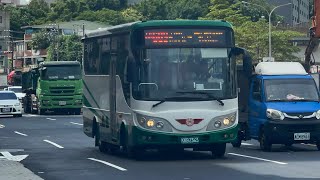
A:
(237, 142)
(218, 150)
(130, 151)
(265, 143)
(103, 146)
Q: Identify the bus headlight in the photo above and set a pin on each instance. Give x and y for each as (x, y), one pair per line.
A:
(275, 114)
(222, 122)
(318, 114)
(152, 123)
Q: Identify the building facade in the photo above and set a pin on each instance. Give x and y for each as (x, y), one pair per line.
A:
(296, 14)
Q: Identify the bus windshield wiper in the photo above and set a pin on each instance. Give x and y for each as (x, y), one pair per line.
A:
(221, 103)
(174, 98)
(158, 103)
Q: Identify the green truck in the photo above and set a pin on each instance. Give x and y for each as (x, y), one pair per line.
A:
(53, 86)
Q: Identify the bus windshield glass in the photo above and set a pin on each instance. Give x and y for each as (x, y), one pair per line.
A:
(291, 90)
(62, 72)
(166, 72)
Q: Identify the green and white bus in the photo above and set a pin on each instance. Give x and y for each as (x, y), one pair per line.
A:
(161, 84)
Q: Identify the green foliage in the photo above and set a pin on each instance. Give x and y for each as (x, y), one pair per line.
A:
(168, 9)
(65, 48)
(41, 40)
(253, 36)
(105, 15)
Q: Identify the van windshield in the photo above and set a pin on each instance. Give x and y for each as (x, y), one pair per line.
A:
(291, 90)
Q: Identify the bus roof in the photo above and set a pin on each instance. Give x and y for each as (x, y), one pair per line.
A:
(58, 63)
(156, 23)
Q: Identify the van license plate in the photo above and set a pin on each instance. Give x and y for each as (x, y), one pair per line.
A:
(62, 103)
(190, 140)
(301, 136)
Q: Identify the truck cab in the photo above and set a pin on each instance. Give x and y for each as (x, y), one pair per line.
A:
(281, 106)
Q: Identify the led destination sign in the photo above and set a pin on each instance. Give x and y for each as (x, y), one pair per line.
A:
(185, 37)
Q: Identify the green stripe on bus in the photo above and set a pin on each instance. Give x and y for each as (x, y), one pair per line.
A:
(85, 85)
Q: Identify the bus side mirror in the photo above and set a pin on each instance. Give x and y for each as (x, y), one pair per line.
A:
(246, 58)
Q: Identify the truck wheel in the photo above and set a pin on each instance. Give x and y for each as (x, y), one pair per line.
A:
(41, 111)
(77, 111)
(318, 145)
(218, 150)
(265, 143)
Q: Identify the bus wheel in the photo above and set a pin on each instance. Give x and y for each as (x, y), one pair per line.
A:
(103, 146)
(237, 142)
(219, 150)
(265, 144)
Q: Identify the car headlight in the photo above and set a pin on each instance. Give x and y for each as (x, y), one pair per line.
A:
(153, 123)
(275, 114)
(318, 114)
(17, 104)
(222, 121)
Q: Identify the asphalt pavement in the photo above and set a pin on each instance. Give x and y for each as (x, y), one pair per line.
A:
(55, 148)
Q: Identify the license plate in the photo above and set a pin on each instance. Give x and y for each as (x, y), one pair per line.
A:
(6, 110)
(189, 140)
(301, 136)
(62, 103)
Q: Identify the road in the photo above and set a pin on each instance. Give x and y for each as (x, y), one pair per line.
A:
(58, 150)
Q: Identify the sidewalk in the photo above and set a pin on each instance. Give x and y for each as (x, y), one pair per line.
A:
(12, 170)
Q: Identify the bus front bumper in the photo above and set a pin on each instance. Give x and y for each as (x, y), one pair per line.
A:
(150, 139)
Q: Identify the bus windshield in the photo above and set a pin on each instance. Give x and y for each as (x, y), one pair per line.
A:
(62, 72)
(164, 72)
(291, 90)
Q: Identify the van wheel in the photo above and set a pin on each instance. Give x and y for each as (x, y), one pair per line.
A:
(218, 150)
(265, 143)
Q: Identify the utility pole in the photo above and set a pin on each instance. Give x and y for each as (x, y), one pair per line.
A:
(12, 50)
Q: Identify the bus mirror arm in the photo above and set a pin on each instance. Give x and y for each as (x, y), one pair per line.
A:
(246, 58)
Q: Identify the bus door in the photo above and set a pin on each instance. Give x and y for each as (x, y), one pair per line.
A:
(113, 99)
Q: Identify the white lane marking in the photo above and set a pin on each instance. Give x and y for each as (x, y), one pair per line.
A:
(256, 158)
(51, 119)
(76, 123)
(10, 157)
(20, 133)
(313, 145)
(246, 144)
(108, 164)
(55, 144)
(2, 126)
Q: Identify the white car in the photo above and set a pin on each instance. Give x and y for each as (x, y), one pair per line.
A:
(10, 104)
(18, 91)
